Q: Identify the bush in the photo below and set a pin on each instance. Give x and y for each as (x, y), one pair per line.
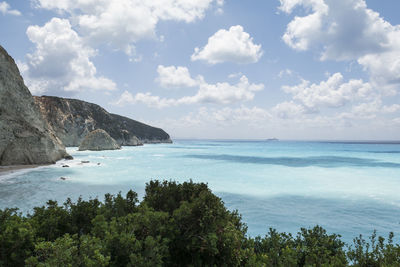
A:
(175, 225)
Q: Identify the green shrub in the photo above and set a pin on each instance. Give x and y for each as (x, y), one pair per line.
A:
(174, 225)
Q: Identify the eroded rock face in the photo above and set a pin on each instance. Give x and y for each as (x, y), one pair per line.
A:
(24, 135)
(98, 140)
(72, 119)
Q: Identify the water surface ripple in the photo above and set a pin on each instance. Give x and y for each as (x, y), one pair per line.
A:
(350, 188)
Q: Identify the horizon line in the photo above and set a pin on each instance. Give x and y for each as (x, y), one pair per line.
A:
(391, 141)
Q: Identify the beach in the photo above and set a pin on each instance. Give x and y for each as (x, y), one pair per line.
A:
(5, 170)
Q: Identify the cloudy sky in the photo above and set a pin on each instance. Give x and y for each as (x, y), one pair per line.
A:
(224, 69)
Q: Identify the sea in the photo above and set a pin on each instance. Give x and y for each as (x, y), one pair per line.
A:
(349, 188)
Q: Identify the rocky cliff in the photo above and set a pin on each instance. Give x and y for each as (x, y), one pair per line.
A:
(72, 119)
(98, 140)
(24, 136)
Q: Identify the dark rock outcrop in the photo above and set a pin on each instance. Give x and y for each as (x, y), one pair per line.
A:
(98, 140)
(72, 119)
(24, 136)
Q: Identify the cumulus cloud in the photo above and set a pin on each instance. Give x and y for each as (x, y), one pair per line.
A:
(302, 31)
(219, 93)
(226, 122)
(384, 67)
(367, 110)
(372, 109)
(288, 109)
(61, 61)
(346, 30)
(285, 120)
(233, 45)
(5, 9)
(225, 93)
(121, 23)
(145, 98)
(175, 77)
(353, 101)
(334, 92)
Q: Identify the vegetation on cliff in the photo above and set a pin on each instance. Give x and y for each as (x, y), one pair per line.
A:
(174, 225)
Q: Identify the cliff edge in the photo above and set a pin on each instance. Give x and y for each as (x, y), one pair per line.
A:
(24, 136)
(72, 119)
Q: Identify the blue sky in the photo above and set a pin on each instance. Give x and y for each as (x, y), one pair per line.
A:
(292, 69)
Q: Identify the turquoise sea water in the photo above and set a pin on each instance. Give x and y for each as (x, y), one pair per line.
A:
(348, 188)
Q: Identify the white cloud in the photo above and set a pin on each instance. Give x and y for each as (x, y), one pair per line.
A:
(219, 9)
(302, 31)
(396, 121)
(344, 29)
(219, 93)
(374, 107)
(121, 23)
(384, 67)
(144, 98)
(233, 45)
(175, 77)
(223, 122)
(391, 109)
(286, 72)
(370, 110)
(288, 109)
(235, 75)
(252, 115)
(225, 93)
(347, 30)
(334, 92)
(285, 120)
(220, 2)
(5, 9)
(61, 61)
(367, 110)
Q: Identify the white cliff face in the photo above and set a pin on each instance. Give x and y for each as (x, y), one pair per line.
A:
(24, 136)
(98, 140)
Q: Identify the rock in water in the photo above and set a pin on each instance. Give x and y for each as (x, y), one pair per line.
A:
(99, 140)
(72, 119)
(24, 136)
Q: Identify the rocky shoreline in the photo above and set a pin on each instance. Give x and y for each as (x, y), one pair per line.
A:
(36, 130)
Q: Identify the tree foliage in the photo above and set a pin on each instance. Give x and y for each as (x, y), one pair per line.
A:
(174, 225)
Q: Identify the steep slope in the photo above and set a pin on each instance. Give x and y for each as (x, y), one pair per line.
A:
(98, 140)
(72, 119)
(24, 136)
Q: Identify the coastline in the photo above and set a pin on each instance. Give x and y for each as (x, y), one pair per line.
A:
(5, 170)
(320, 181)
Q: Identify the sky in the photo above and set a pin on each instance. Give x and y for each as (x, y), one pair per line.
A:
(218, 69)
